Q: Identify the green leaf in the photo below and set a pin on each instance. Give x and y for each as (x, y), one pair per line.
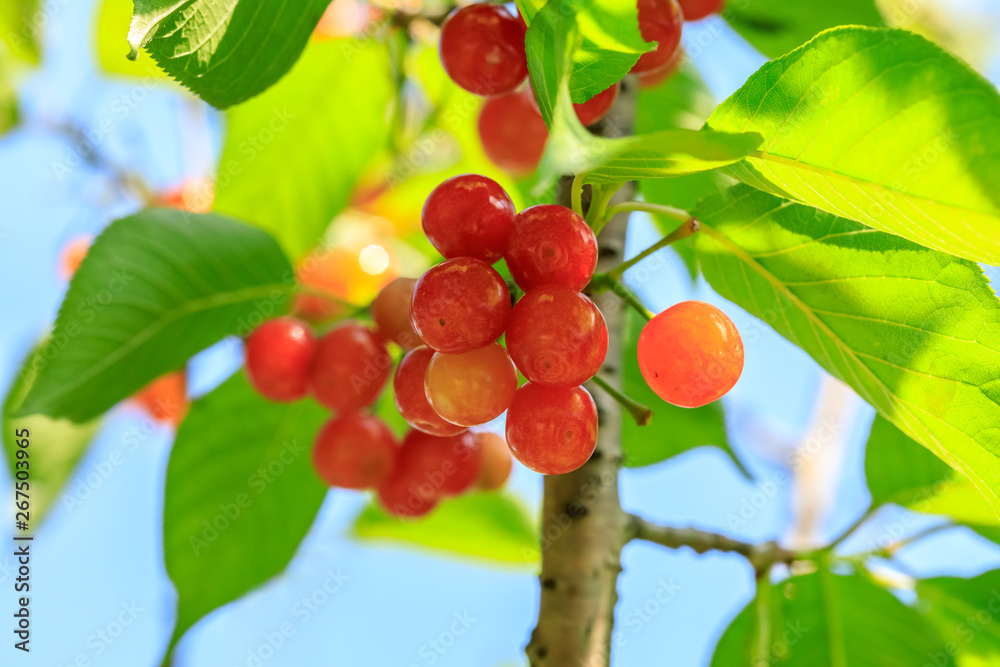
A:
(56, 445)
(9, 111)
(821, 619)
(672, 430)
(484, 526)
(293, 155)
(776, 27)
(882, 127)
(241, 494)
(18, 28)
(571, 149)
(610, 43)
(956, 608)
(915, 332)
(225, 51)
(111, 42)
(154, 289)
(898, 469)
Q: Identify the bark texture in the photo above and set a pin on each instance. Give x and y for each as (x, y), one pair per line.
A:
(583, 525)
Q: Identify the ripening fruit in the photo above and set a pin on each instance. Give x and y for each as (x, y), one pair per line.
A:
(278, 355)
(551, 245)
(471, 388)
(497, 461)
(698, 9)
(355, 451)
(660, 21)
(411, 399)
(391, 312)
(165, 399)
(401, 499)
(690, 354)
(349, 368)
(436, 467)
(469, 216)
(557, 336)
(72, 255)
(513, 133)
(552, 430)
(482, 49)
(460, 305)
(596, 107)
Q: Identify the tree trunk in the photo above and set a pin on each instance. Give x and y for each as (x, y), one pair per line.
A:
(583, 525)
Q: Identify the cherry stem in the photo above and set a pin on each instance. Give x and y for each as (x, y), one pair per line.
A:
(640, 413)
(352, 309)
(659, 209)
(597, 215)
(577, 193)
(688, 228)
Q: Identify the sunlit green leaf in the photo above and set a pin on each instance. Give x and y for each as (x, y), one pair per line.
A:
(964, 612)
(21, 25)
(776, 27)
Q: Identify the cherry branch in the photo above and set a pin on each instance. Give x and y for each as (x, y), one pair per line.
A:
(689, 227)
(640, 413)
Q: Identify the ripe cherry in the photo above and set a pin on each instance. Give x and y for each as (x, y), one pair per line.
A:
(355, 451)
(482, 49)
(557, 336)
(460, 305)
(278, 356)
(436, 467)
(402, 499)
(552, 430)
(690, 354)
(655, 77)
(698, 9)
(350, 367)
(391, 312)
(469, 216)
(660, 21)
(513, 133)
(165, 399)
(551, 245)
(411, 400)
(596, 107)
(497, 461)
(471, 388)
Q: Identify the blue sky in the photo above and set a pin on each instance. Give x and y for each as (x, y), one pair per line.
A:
(100, 589)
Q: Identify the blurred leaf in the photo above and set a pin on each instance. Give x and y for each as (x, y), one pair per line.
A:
(241, 494)
(776, 27)
(610, 43)
(898, 469)
(225, 51)
(294, 154)
(915, 332)
(154, 289)
(9, 112)
(484, 526)
(672, 430)
(882, 127)
(111, 42)
(56, 444)
(822, 619)
(955, 607)
(19, 21)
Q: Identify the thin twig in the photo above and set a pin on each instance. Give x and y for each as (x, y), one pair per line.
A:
(688, 228)
(677, 214)
(640, 413)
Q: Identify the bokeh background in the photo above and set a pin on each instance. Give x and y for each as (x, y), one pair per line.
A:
(98, 562)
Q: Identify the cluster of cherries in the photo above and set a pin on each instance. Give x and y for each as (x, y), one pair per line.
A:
(482, 50)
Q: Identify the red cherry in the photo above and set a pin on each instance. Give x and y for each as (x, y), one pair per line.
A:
(596, 107)
(698, 9)
(469, 216)
(552, 430)
(411, 400)
(482, 49)
(655, 77)
(355, 451)
(278, 355)
(436, 467)
(497, 461)
(690, 354)
(513, 133)
(391, 312)
(72, 254)
(460, 305)
(557, 336)
(350, 368)
(471, 388)
(660, 21)
(401, 499)
(551, 245)
(165, 399)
